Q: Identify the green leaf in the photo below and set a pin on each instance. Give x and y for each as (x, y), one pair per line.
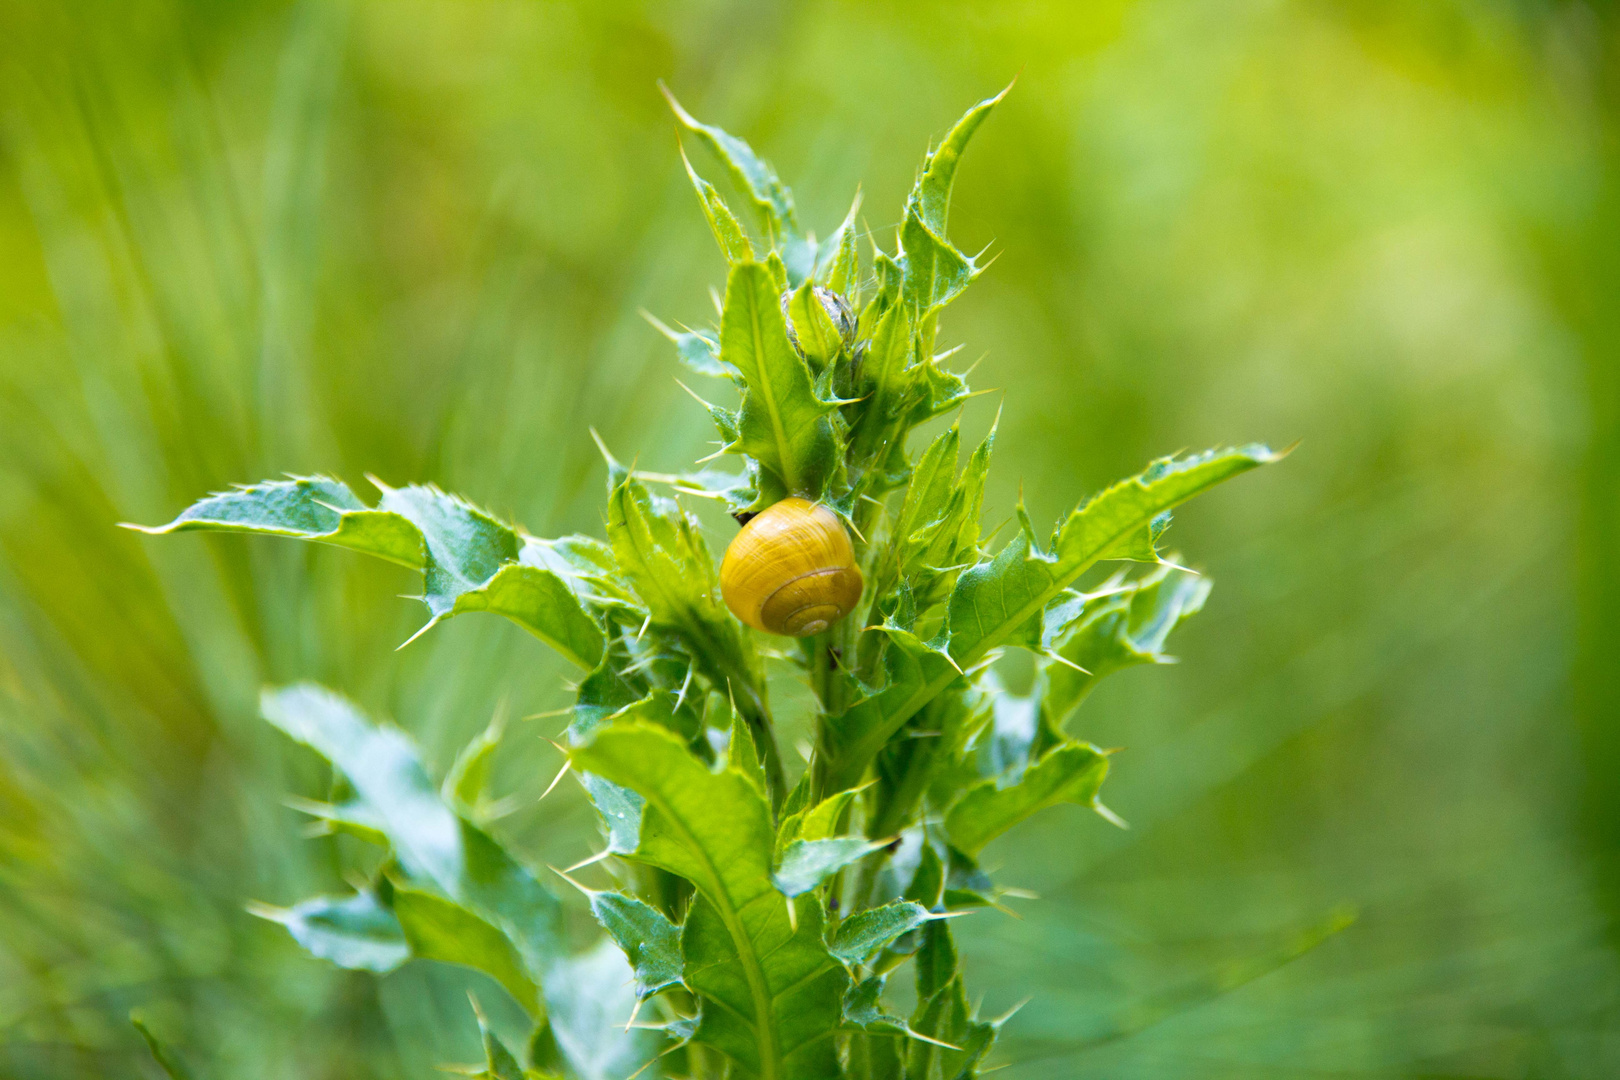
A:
(1069, 773)
(466, 785)
(499, 1064)
(818, 337)
(541, 603)
(807, 863)
(1143, 544)
(771, 199)
(912, 668)
(784, 426)
(1001, 601)
(933, 189)
(469, 560)
(866, 933)
(727, 231)
(350, 931)
(933, 271)
(662, 552)
(840, 268)
(434, 845)
(1005, 596)
(771, 990)
(591, 998)
(955, 1042)
(440, 929)
(741, 752)
(648, 939)
(827, 818)
(863, 1008)
(884, 382)
(172, 1066)
(315, 508)
(620, 809)
(697, 350)
(1119, 631)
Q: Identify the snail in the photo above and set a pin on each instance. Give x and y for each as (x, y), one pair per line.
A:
(791, 570)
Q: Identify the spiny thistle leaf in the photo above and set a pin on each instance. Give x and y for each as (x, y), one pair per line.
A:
(1120, 631)
(648, 939)
(1070, 773)
(728, 232)
(772, 991)
(867, 933)
(442, 930)
(805, 864)
(469, 560)
(933, 190)
(771, 199)
(783, 424)
(353, 932)
(1001, 600)
(315, 508)
(697, 350)
(435, 847)
(955, 1042)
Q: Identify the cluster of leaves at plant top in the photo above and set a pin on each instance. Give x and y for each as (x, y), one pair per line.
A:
(752, 925)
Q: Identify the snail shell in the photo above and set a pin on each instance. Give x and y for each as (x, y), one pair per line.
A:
(791, 570)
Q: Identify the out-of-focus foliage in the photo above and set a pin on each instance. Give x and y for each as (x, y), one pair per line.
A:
(411, 240)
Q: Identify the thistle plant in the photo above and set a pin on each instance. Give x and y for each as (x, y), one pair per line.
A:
(754, 913)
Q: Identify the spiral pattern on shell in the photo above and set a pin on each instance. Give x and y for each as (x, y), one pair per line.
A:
(791, 570)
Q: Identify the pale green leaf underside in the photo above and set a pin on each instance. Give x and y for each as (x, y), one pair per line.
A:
(469, 560)
(805, 864)
(1069, 773)
(864, 934)
(350, 931)
(435, 847)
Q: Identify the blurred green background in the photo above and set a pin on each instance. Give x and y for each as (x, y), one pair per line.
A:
(411, 239)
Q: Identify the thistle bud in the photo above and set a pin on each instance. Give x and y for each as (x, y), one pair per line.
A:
(837, 309)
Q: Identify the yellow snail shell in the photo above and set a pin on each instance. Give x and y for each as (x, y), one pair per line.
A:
(791, 570)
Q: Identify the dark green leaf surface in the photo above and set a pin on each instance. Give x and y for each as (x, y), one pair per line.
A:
(866, 933)
(648, 939)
